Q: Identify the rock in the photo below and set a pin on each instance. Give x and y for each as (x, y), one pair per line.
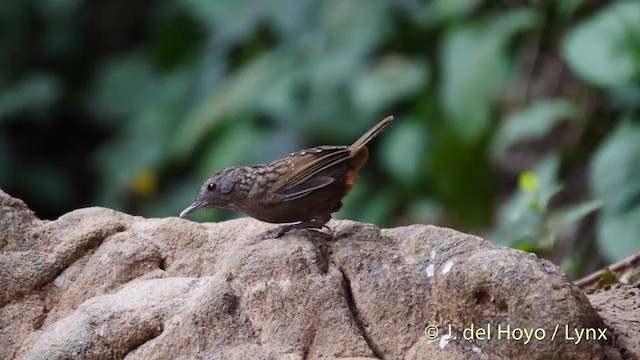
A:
(620, 309)
(98, 284)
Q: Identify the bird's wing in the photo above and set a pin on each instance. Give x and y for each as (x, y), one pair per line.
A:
(303, 166)
(307, 187)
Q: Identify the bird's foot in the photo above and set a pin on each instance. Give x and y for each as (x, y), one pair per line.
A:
(302, 228)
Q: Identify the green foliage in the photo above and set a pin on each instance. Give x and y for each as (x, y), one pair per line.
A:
(527, 222)
(391, 80)
(615, 178)
(476, 69)
(37, 93)
(533, 122)
(605, 49)
(499, 109)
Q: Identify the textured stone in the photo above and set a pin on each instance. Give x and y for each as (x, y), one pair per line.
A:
(97, 284)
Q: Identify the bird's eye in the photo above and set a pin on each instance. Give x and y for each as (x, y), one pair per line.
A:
(212, 187)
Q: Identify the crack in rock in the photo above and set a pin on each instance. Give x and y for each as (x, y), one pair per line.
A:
(355, 314)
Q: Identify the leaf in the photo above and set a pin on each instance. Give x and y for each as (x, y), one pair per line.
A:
(603, 50)
(424, 211)
(379, 208)
(615, 168)
(618, 234)
(463, 178)
(403, 150)
(393, 79)
(615, 179)
(124, 85)
(577, 212)
(289, 17)
(567, 8)
(238, 95)
(233, 146)
(437, 11)
(564, 222)
(342, 40)
(521, 217)
(607, 277)
(475, 70)
(34, 93)
(528, 182)
(230, 20)
(533, 122)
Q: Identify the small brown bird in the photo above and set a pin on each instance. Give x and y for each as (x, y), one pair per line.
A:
(302, 188)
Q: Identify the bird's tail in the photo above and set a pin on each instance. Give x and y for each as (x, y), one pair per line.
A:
(372, 133)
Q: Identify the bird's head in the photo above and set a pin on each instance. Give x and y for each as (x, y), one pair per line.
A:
(216, 192)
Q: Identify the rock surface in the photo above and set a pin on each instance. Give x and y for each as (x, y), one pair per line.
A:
(99, 284)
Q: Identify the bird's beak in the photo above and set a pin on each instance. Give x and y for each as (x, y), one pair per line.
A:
(193, 207)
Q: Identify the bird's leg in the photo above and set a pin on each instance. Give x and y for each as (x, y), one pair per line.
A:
(318, 222)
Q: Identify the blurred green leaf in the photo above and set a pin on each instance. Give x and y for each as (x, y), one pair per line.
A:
(379, 208)
(240, 94)
(615, 168)
(437, 11)
(615, 179)
(35, 94)
(567, 8)
(233, 146)
(142, 143)
(462, 178)
(424, 211)
(353, 203)
(563, 221)
(176, 39)
(525, 244)
(475, 70)
(58, 190)
(124, 85)
(290, 17)
(343, 38)
(618, 234)
(171, 200)
(533, 122)
(626, 97)
(522, 217)
(348, 28)
(392, 79)
(577, 212)
(229, 20)
(528, 182)
(607, 277)
(603, 50)
(403, 151)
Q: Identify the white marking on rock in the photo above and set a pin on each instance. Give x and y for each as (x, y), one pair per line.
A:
(104, 258)
(59, 281)
(447, 267)
(444, 341)
(476, 349)
(433, 254)
(431, 269)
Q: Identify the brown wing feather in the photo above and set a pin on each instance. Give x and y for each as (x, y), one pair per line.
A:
(305, 164)
(308, 163)
(307, 187)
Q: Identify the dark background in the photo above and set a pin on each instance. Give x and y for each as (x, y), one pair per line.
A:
(515, 120)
